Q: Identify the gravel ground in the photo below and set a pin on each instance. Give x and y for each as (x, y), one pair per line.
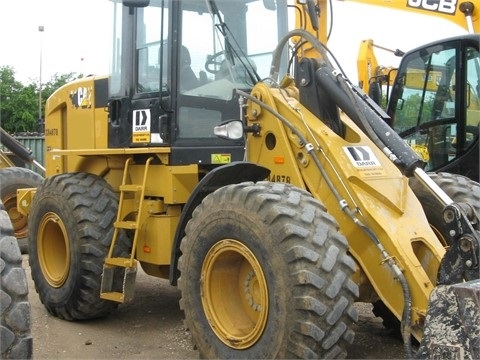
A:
(152, 328)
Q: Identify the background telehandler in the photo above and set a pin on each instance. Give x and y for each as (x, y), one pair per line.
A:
(228, 169)
(428, 108)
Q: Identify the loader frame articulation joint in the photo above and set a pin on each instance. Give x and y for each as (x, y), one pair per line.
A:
(461, 259)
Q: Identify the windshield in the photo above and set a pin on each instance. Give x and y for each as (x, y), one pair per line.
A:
(220, 47)
(434, 106)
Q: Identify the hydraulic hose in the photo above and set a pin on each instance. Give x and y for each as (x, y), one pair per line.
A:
(357, 109)
(369, 121)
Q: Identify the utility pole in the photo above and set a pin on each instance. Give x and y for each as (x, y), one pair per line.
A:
(40, 118)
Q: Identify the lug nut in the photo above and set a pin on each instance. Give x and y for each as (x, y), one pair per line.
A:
(448, 215)
(465, 243)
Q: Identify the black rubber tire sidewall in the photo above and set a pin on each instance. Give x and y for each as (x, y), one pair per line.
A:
(242, 213)
(15, 328)
(12, 179)
(459, 188)
(87, 206)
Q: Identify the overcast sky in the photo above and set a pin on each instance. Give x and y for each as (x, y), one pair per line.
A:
(77, 35)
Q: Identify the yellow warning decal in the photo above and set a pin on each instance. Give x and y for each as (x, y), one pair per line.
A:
(141, 126)
(140, 137)
(221, 158)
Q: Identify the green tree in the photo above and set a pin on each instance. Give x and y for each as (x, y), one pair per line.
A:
(18, 105)
(19, 102)
(56, 82)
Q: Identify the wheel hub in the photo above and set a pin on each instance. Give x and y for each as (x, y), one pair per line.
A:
(252, 292)
(19, 222)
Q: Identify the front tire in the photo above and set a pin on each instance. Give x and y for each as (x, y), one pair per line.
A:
(265, 274)
(71, 228)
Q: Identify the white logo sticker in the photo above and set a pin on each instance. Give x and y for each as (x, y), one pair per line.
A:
(141, 121)
(361, 156)
(442, 6)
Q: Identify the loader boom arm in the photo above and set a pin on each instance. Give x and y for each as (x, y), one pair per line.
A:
(352, 165)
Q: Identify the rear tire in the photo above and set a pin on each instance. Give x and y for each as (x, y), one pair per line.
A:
(458, 187)
(265, 274)
(12, 179)
(71, 228)
(15, 330)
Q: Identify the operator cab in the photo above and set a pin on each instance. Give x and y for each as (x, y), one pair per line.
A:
(177, 66)
(435, 104)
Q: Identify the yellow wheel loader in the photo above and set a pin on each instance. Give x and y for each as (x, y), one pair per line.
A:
(215, 156)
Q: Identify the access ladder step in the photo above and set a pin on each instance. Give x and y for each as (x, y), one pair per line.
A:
(112, 287)
(113, 296)
(119, 261)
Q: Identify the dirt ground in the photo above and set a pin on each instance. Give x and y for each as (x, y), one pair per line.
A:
(152, 328)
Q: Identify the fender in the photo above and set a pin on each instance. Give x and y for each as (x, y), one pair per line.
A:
(233, 173)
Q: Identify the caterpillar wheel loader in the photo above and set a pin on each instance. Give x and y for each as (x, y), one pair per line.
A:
(428, 108)
(214, 156)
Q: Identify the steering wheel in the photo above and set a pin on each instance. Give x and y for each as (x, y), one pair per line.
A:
(213, 63)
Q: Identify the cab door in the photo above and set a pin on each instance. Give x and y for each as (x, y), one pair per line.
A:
(435, 105)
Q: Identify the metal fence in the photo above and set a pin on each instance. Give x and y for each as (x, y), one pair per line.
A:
(34, 143)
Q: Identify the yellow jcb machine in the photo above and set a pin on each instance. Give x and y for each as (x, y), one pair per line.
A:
(215, 156)
(438, 117)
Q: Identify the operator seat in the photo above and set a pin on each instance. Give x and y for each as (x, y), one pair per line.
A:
(188, 79)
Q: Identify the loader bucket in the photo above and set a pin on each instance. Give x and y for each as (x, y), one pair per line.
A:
(452, 324)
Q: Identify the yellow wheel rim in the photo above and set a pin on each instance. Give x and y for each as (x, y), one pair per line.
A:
(234, 294)
(19, 221)
(53, 249)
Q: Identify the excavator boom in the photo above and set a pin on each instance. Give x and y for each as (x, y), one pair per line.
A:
(463, 13)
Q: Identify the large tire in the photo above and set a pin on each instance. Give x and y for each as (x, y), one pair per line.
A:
(71, 228)
(15, 330)
(460, 189)
(12, 179)
(265, 274)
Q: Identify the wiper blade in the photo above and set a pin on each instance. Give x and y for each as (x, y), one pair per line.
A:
(230, 50)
